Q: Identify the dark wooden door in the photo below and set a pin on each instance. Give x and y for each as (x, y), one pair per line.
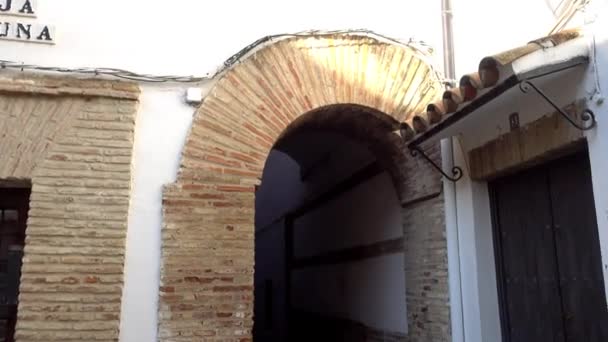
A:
(531, 299)
(548, 255)
(579, 257)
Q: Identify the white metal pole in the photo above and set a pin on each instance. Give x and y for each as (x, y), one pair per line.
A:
(449, 190)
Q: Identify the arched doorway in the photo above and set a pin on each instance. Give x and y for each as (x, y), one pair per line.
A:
(329, 238)
(208, 230)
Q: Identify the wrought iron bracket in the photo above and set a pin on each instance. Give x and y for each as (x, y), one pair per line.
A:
(587, 116)
(456, 170)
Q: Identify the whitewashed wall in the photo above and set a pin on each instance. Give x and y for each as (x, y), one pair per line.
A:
(270, 267)
(598, 138)
(369, 291)
(194, 37)
(368, 214)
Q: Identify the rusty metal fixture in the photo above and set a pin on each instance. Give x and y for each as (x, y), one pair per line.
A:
(587, 116)
(456, 170)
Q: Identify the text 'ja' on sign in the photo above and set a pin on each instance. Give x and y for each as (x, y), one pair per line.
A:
(22, 8)
(23, 30)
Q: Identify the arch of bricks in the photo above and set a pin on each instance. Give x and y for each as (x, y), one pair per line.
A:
(208, 229)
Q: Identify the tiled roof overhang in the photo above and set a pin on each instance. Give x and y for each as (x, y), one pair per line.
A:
(541, 60)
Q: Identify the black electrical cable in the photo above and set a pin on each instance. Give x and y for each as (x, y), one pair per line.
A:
(231, 61)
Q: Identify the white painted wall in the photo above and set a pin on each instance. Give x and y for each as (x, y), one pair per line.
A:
(478, 272)
(282, 188)
(598, 138)
(280, 191)
(193, 37)
(370, 291)
(270, 266)
(161, 126)
(369, 213)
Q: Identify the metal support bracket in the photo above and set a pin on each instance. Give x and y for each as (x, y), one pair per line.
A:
(456, 170)
(587, 116)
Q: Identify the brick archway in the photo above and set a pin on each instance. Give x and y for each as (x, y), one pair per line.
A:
(208, 231)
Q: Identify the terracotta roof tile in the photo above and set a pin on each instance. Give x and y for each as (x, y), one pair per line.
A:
(491, 71)
(452, 99)
(435, 111)
(420, 124)
(469, 86)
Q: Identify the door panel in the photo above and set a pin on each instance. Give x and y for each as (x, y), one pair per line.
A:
(530, 285)
(579, 258)
(548, 254)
